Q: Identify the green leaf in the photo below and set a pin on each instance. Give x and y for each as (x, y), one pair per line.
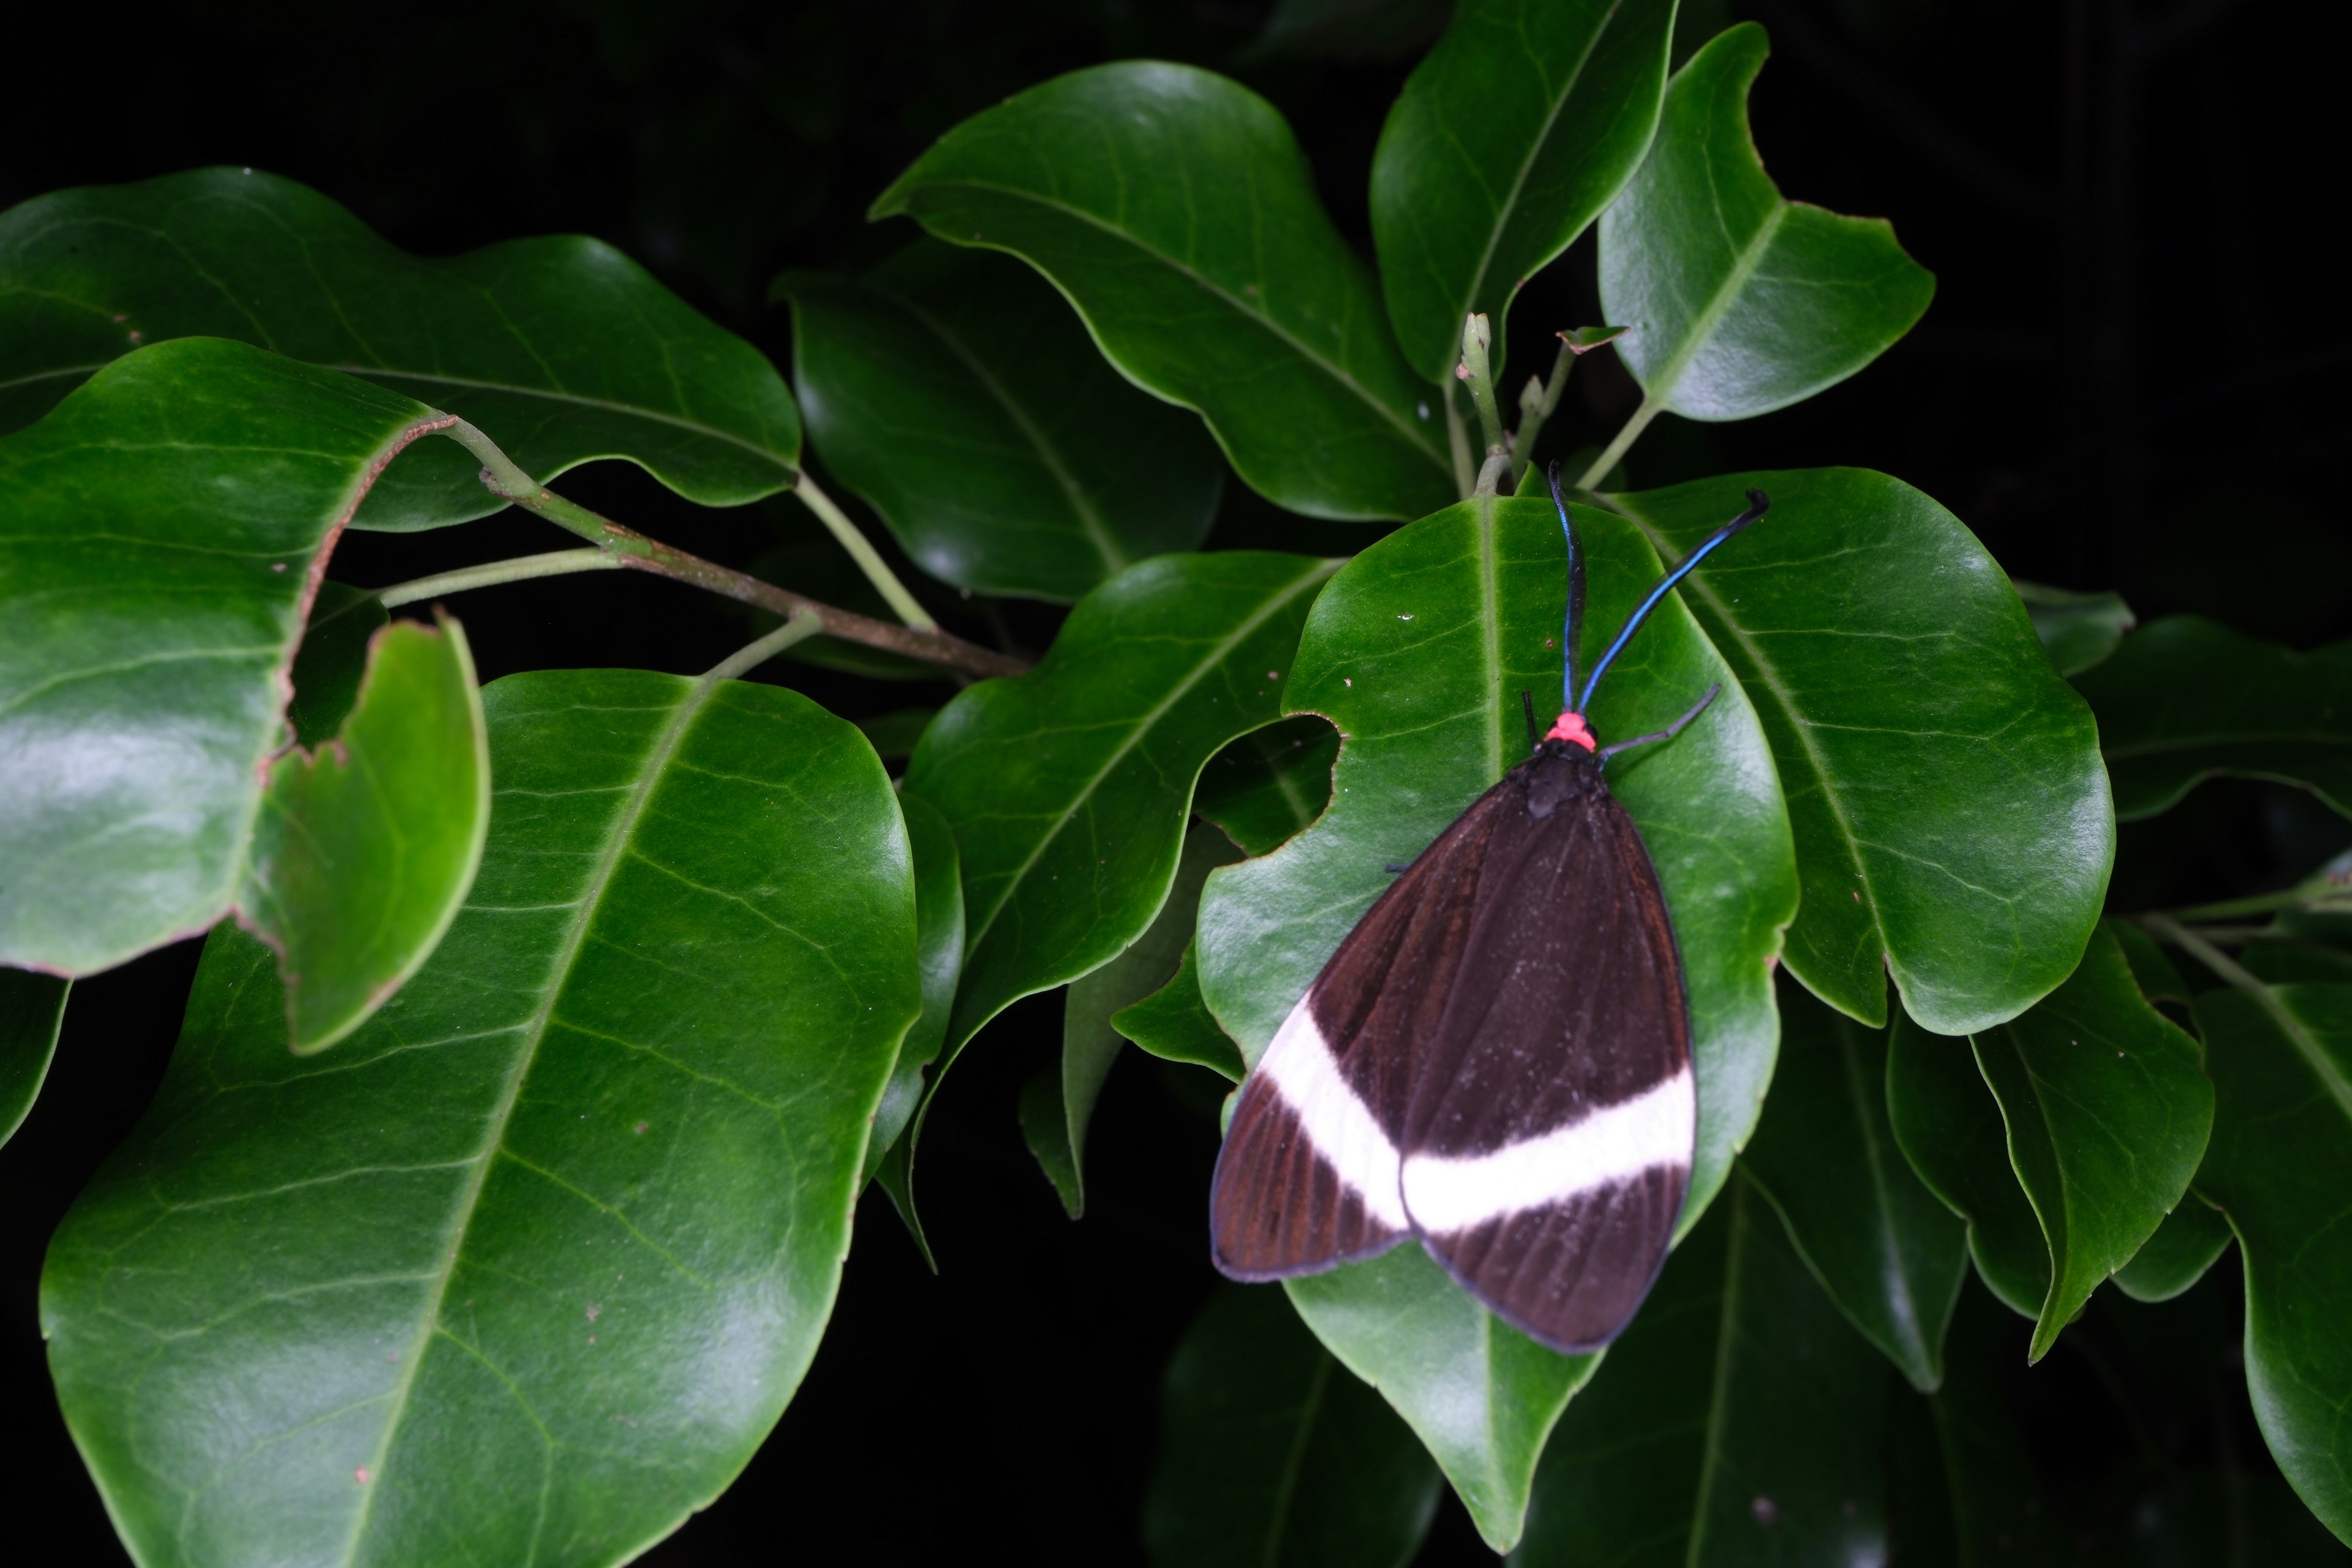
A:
(2107, 1110)
(1055, 1119)
(1067, 787)
(2077, 630)
(1175, 1025)
(1271, 1454)
(1887, 1250)
(1740, 301)
(1481, 1395)
(1740, 1420)
(561, 347)
(2152, 970)
(531, 1263)
(1949, 1127)
(165, 525)
(2281, 1168)
(364, 848)
(2184, 701)
(32, 1010)
(1511, 136)
(332, 658)
(1174, 209)
(1270, 782)
(954, 391)
(1418, 651)
(1950, 809)
(2190, 1240)
(939, 954)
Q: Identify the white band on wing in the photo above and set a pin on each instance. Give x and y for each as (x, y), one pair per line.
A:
(1340, 1125)
(1613, 1144)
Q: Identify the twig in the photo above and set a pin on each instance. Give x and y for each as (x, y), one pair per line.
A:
(1611, 454)
(1539, 399)
(640, 553)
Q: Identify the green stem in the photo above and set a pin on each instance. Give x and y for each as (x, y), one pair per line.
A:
(1476, 335)
(635, 550)
(1465, 471)
(1537, 404)
(877, 571)
(554, 563)
(799, 627)
(2167, 929)
(1490, 477)
(1616, 448)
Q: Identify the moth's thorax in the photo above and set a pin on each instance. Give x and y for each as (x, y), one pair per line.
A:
(1560, 772)
(1571, 728)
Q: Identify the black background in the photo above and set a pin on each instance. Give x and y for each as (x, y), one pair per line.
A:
(2131, 378)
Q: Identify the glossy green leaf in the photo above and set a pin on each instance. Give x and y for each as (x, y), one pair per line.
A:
(2281, 1168)
(1950, 809)
(1481, 1395)
(1418, 651)
(1174, 209)
(32, 1009)
(2077, 630)
(331, 659)
(2184, 701)
(2107, 1111)
(2190, 1240)
(1270, 782)
(1068, 787)
(165, 526)
(1740, 1420)
(938, 954)
(1949, 1127)
(955, 392)
(1054, 1120)
(1175, 1025)
(529, 1265)
(1887, 1251)
(364, 848)
(563, 348)
(1270, 1454)
(1511, 136)
(1740, 301)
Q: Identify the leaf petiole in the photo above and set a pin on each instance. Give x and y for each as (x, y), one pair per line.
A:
(1650, 409)
(489, 575)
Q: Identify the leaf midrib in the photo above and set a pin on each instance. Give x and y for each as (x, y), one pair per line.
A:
(1702, 327)
(1219, 651)
(1412, 432)
(1770, 675)
(1098, 531)
(1508, 207)
(616, 840)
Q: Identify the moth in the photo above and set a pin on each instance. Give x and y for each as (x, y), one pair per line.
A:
(1497, 1060)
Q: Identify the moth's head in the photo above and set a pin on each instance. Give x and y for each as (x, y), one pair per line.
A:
(1572, 728)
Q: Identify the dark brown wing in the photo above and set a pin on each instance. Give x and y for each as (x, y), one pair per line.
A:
(1547, 1147)
(1309, 1175)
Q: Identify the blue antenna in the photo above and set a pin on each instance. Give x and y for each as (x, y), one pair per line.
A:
(1758, 505)
(1575, 596)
